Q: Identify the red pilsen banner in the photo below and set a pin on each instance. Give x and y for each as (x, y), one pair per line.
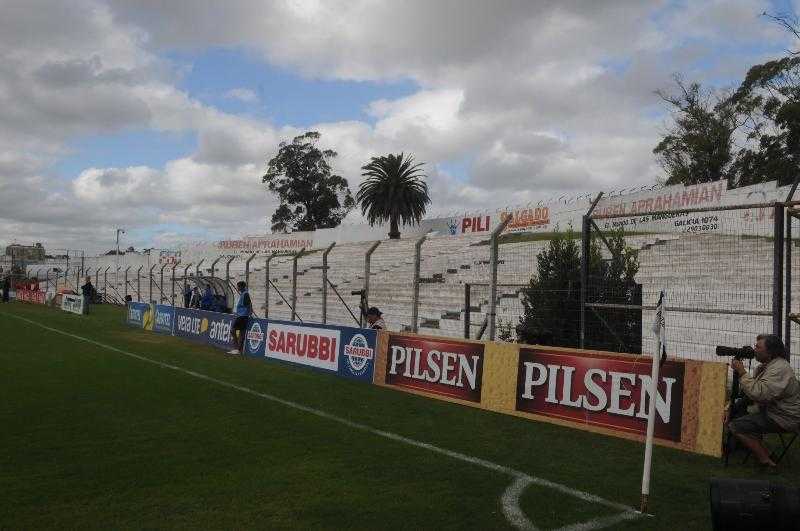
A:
(605, 391)
(447, 368)
(27, 295)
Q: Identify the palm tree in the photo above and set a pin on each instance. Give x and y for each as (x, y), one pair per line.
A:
(394, 190)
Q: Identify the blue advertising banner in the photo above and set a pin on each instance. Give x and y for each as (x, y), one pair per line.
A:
(349, 352)
(358, 348)
(164, 319)
(254, 339)
(137, 313)
(213, 328)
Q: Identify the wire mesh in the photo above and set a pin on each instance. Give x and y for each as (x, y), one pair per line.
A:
(792, 290)
(715, 265)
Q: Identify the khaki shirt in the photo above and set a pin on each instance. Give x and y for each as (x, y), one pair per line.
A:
(775, 387)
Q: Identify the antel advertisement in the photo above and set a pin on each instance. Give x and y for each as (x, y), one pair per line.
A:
(136, 313)
(213, 328)
(438, 366)
(603, 391)
(164, 317)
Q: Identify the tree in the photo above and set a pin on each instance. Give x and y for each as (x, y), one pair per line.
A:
(311, 196)
(769, 99)
(551, 301)
(394, 190)
(699, 146)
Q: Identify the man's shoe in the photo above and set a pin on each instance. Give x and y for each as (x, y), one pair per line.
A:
(234, 352)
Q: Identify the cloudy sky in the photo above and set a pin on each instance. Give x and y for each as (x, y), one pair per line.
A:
(159, 117)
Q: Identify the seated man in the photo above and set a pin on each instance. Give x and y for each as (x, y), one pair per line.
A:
(207, 302)
(776, 391)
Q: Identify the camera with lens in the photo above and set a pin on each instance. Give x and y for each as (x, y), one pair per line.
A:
(742, 353)
(359, 292)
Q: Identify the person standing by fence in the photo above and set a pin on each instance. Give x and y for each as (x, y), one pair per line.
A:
(243, 310)
(88, 292)
(6, 287)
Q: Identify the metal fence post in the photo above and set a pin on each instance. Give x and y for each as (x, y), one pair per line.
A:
(151, 282)
(325, 282)
(247, 270)
(266, 285)
(126, 282)
(66, 276)
(467, 309)
(493, 262)
(586, 242)
(296, 257)
(185, 283)
(214, 267)
(197, 271)
(47, 280)
(586, 236)
(105, 283)
(415, 297)
(228, 270)
(367, 260)
(172, 291)
(139, 283)
(787, 335)
(777, 271)
(116, 278)
(161, 285)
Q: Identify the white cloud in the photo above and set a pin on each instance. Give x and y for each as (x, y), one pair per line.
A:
(242, 94)
(539, 98)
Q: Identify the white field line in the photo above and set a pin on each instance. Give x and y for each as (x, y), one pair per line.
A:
(510, 498)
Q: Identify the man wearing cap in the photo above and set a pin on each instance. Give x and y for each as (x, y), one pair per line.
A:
(375, 319)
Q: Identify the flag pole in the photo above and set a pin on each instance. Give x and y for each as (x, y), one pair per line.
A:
(651, 412)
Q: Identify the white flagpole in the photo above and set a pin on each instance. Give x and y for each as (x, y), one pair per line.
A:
(651, 412)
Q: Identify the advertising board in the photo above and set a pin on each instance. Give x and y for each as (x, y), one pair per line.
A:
(72, 303)
(213, 328)
(439, 366)
(163, 318)
(350, 352)
(136, 313)
(31, 296)
(599, 390)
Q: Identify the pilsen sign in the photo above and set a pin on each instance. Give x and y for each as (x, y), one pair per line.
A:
(599, 390)
(449, 368)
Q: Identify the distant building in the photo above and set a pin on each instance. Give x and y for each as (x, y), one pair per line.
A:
(28, 253)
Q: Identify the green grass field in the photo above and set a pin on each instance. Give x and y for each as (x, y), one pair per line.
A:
(95, 438)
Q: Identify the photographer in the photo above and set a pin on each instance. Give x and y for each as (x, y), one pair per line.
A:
(776, 391)
(375, 319)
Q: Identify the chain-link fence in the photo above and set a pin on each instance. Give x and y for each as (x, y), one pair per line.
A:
(593, 286)
(717, 266)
